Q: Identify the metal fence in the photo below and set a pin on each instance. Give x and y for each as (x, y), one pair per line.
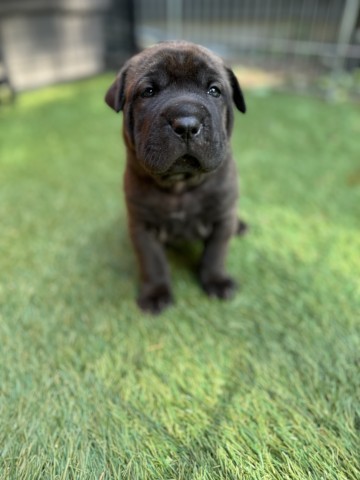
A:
(42, 42)
(322, 32)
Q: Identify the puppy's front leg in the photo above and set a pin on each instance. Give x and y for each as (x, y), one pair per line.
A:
(213, 277)
(155, 290)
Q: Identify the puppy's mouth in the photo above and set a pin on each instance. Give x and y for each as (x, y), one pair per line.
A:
(183, 168)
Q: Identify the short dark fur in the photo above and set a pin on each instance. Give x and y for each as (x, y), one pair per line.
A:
(180, 178)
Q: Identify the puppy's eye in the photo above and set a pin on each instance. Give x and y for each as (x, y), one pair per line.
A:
(214, 91)
(148, 92)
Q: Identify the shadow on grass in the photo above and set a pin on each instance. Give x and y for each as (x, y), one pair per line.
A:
(107, 265)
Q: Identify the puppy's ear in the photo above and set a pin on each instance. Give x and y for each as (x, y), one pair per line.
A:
(115, 97)
(238, 96)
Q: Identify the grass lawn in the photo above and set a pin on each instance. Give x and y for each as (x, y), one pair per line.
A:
(265, 386)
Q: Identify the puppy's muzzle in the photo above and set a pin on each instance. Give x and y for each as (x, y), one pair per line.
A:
(186, 127)
(186, 118)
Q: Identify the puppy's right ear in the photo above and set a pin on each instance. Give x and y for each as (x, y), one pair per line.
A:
(115, 96)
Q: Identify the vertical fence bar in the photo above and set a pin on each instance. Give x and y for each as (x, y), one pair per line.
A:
(347, 25)
(174, 19)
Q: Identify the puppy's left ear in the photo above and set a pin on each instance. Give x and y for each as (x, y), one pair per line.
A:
(238, 96)
(115, 96)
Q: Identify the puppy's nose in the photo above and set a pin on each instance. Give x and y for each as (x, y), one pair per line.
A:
(186, 127)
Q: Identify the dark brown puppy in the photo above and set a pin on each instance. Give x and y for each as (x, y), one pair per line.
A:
(180, 179)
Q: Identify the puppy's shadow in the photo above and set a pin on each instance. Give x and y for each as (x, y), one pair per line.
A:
(106, 263)
(113, 248)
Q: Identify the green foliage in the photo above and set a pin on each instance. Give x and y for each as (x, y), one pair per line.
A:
(340, 87)
(265, 386)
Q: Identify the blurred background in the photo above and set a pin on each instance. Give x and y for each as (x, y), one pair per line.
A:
(309, 45)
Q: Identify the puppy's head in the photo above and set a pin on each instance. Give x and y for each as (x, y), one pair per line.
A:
(177, 100)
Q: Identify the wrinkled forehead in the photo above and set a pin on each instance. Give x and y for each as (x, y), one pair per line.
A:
(169, 64)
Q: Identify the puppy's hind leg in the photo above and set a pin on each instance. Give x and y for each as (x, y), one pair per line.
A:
(242, 227)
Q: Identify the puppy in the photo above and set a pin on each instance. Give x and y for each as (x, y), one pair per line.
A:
(180, 180)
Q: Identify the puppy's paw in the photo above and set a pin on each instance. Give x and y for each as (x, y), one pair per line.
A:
(154, 299)
(222, 287)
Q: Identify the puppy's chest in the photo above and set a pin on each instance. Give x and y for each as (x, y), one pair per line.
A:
(181, 217)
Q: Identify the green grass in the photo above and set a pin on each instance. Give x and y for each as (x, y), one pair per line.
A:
(265, 386)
